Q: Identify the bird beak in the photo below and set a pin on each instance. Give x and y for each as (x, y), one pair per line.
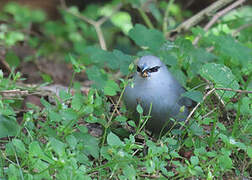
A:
(144, 73)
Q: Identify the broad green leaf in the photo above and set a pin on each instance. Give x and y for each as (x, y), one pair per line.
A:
(54, 116)
(179, 75)
(77, 101)
(201, 55)
(225, 162)
(144, 37)
(120, 119)
(102, 58)
(36, 151)
(124, 60)
(91, 145)
(71, 140)
(114, 140)
(194, 160)
(194, 95)
(57, 146)
(19, 146)
(168, 59)
(8, 126)
(249, 151)
(227, 46)
(13, 172)
(123, 21)
(129, 171)
(12, 59)
(64, 95)
(95, 75)
(196, 129)
(111, 88)
(221, 76)
(68, 115)
(171, 141)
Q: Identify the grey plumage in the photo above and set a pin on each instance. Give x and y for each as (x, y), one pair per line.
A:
(153, 83)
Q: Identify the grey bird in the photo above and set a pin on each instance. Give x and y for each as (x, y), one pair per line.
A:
(154, 84)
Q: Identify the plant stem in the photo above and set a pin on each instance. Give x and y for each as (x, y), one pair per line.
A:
(145, 18)
(165, 22)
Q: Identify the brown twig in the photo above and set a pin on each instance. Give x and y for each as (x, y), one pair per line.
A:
(96, 24)
(196, 107)
(207, 114)
(244, 26)
(201, 15)
(234, 90)
(217, 16)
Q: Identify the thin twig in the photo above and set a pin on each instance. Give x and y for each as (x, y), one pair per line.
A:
(244, 26)
(96, 24)
(207, 114)
(196, 107)
(234, 90)
(202, 14)
(105, 18)
(100, 36)
(217, 16)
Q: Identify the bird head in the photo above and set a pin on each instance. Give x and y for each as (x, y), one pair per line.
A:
(148, 65)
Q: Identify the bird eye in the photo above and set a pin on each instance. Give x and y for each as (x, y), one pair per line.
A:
(154, 69)
(138, 69)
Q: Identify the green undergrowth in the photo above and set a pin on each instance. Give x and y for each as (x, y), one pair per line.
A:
(53, 141)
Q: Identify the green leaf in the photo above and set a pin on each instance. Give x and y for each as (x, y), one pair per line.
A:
(194, 95)
(46, 104)
(8, 126)
(13, 172)
(171, 141)
(229, 47)
(201, 55)
(72, 141)
(95, 75)
(36, 151)
(57, 146)
(249, 151)
(91, 145)
(77, 101)
(114, 140)
(194, 160)
(111, 88)
(120, 119)
(179, 75)
(139, 109)
(221, 76)
(64, 95)
(54, 116)
(124, 60)
(12, 59)
(123, 21)
(129, 171)
(196, 129)
(19, 146)
(155, 11)
(225, 162)
(144, 37)
(102, 58)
